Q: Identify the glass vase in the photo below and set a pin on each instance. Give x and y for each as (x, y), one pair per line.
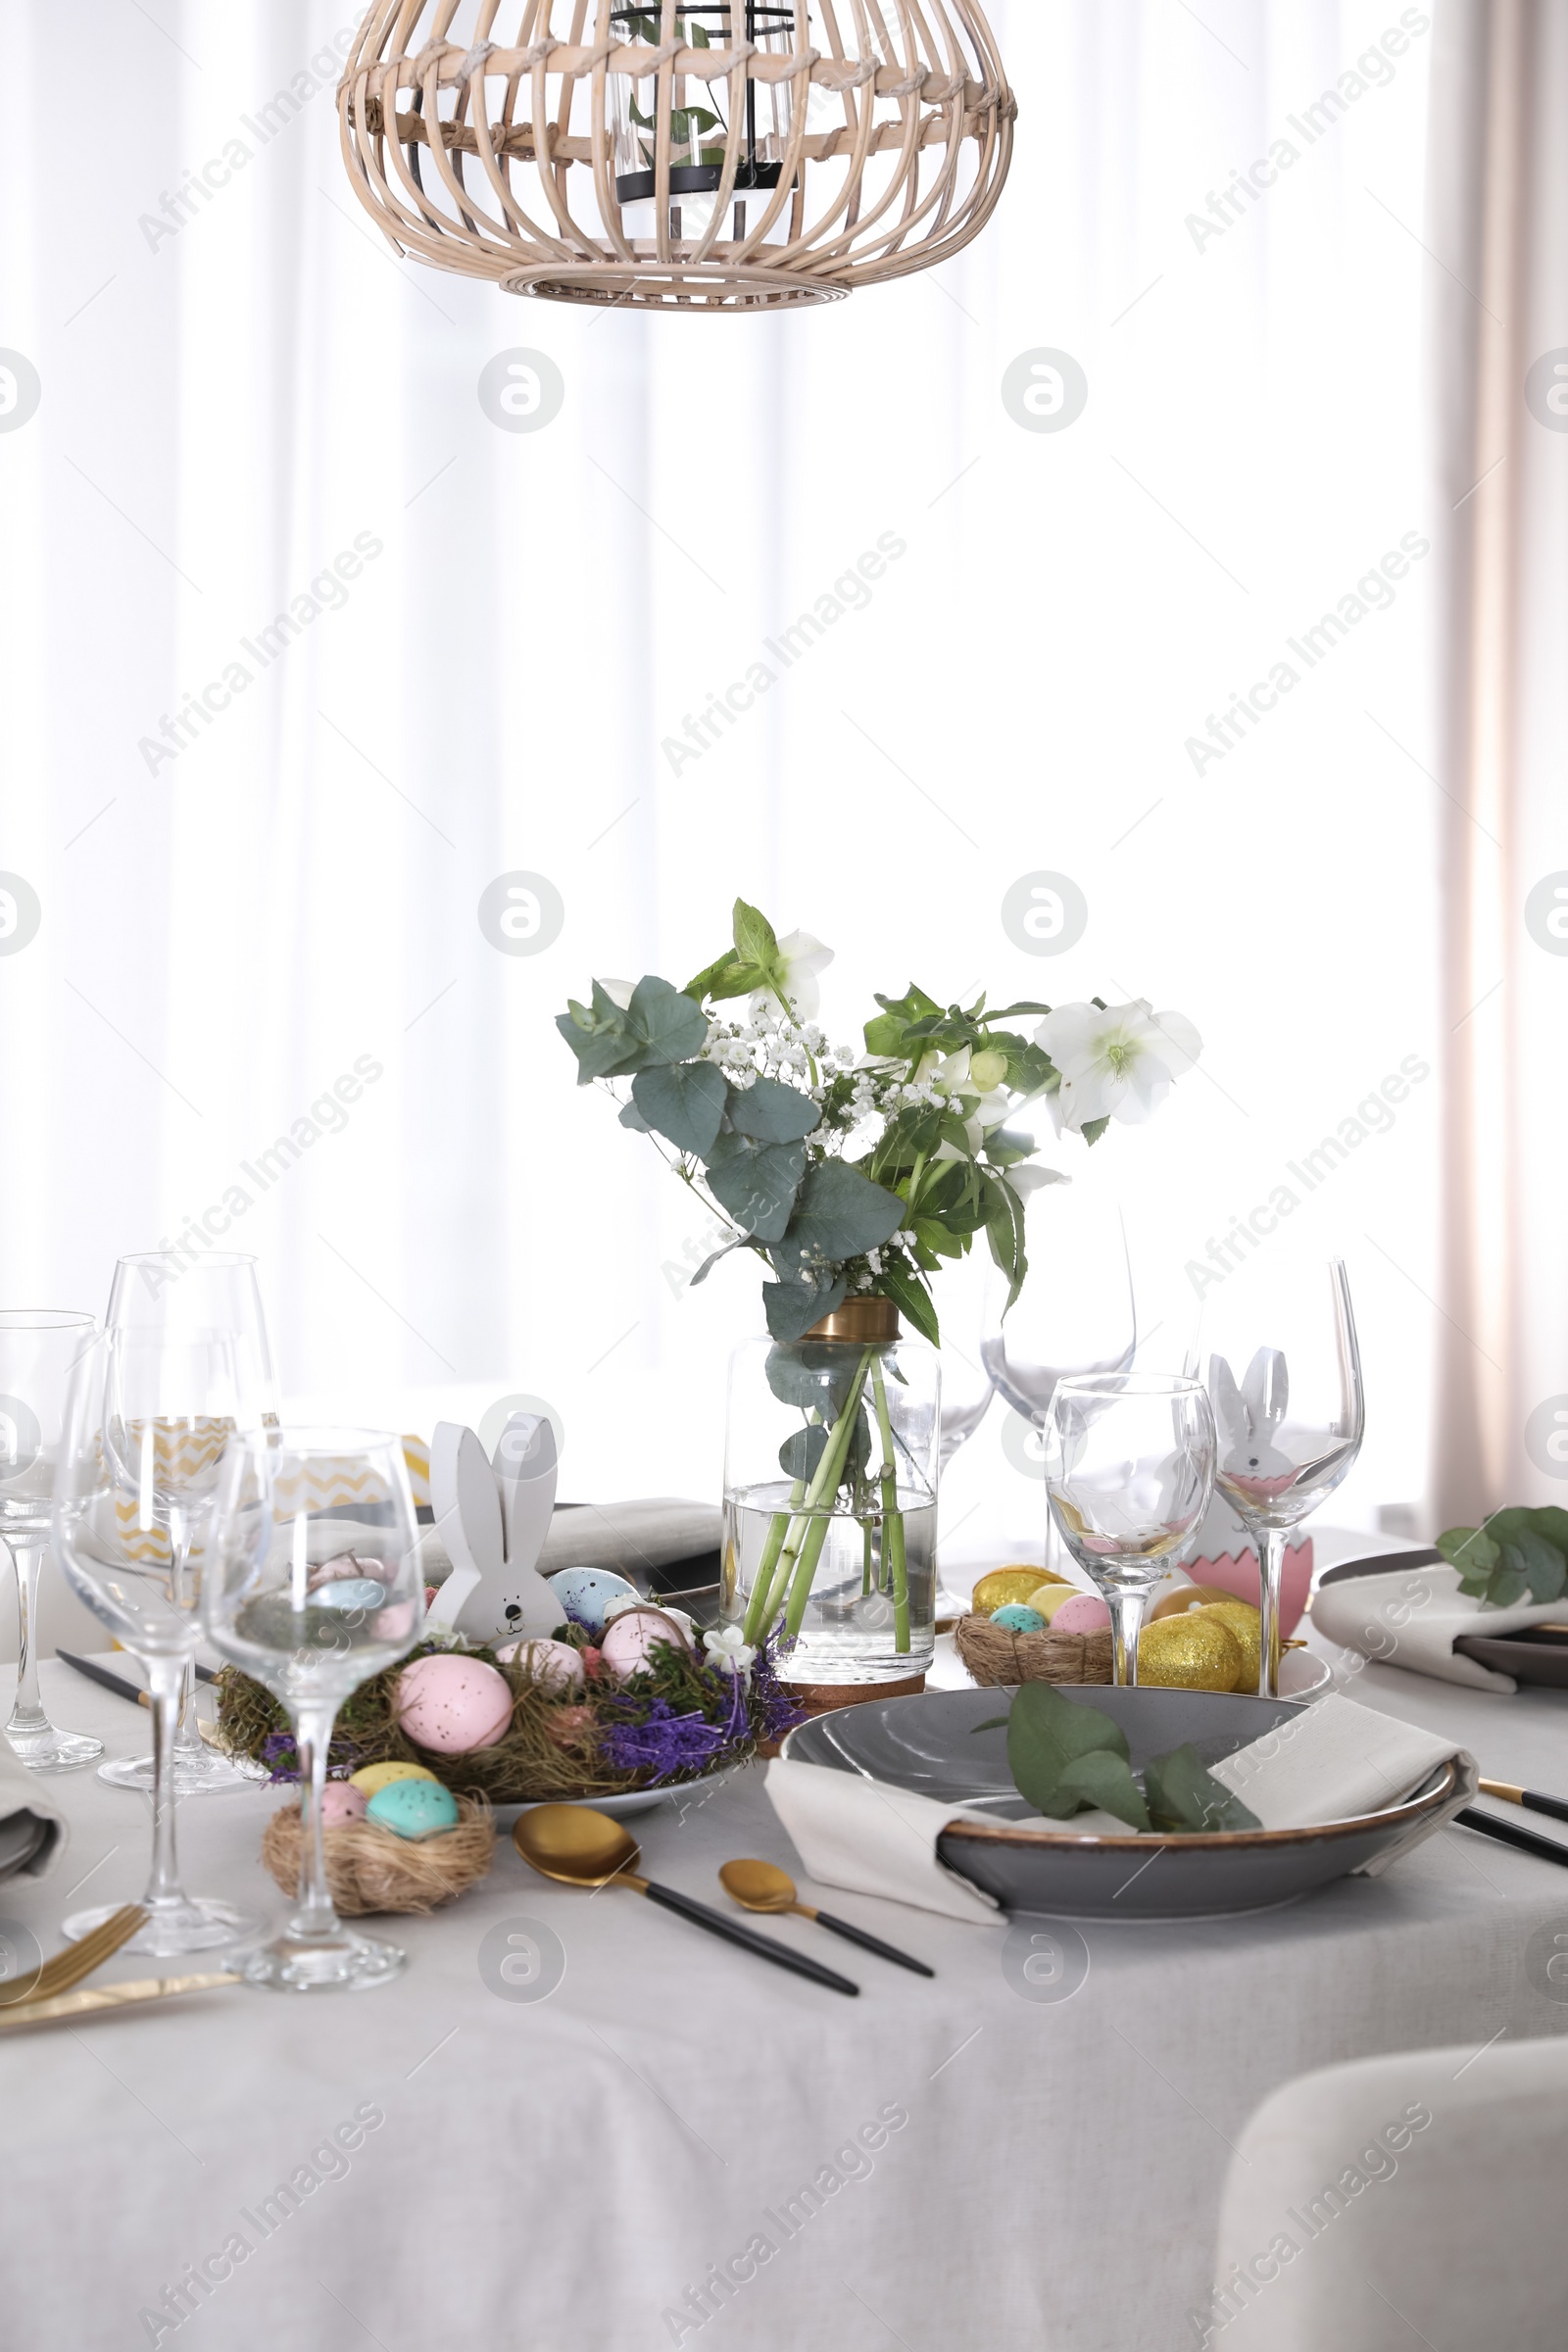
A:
(830, 1498)
(699, 130)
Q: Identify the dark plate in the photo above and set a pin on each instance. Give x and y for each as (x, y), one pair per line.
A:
(929, 1744)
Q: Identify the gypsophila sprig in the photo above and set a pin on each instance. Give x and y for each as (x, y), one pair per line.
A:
(861, 1173)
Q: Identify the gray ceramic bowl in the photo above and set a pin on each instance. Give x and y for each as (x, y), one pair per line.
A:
(928, 1744)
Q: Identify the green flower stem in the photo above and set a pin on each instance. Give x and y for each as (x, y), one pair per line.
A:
(762, 1589)
(865, 1564)
(893, 1544)
(805, 1546)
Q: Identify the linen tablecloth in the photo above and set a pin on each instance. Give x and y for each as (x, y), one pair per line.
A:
(677, 2144)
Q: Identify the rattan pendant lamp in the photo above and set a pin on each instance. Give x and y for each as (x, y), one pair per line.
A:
(698, 155)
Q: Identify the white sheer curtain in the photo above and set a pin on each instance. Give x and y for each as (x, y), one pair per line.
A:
(1499, 240)
(244, 387)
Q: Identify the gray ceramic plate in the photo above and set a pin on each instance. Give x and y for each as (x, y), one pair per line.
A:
(928, 1744)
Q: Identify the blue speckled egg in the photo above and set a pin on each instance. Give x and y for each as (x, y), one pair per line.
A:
(350, 1592)
(584, 1593)
(1016, 1617)
(412, 1808)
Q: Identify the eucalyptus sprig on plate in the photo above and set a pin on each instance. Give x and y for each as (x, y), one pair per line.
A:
(1065, 1756)
(855, 1174)
(1515, 1551)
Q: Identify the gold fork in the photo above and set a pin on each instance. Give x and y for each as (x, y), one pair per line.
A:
(78, 1960)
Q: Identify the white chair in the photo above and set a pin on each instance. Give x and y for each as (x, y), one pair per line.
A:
(1392, 2202)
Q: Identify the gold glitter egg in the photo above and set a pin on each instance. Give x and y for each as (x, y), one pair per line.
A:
(1188, 1596)
(994, 1591)
(1247, 1630)
(1198, 1651)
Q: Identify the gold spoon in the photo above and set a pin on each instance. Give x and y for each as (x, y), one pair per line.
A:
(583, 1848)
(764, 1887)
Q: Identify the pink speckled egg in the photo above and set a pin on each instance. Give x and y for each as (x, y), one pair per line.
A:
(631, 1637)
(341, 1803)
(1085, 1613)
(554, 1665)
(453, 1704)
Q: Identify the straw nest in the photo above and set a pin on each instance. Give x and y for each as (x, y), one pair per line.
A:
(370, 1869)
(992, 1654)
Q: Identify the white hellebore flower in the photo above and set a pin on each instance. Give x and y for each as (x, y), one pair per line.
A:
(620, 992)
(728, 1649)
(800, 958)
(1118, 1065)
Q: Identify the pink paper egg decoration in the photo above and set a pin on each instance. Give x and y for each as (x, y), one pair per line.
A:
(453, 1704)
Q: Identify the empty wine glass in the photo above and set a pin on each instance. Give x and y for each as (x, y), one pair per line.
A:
(211, 1291)
(149, 1422)
(1276, 1348)
(37, 1349)
(311, 1595)
(1129, 1471)
(961, 1293)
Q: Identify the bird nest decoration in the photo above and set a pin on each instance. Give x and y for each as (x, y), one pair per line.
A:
(692, 155)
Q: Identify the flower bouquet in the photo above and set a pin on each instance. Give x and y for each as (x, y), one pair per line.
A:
(855, 1176)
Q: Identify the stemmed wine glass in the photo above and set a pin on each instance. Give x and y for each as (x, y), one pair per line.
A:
(312, 1596)
(212, 1292)
(37, 1348)
(1077, 1314)
(1130, 1472)
(1276, 1348)
(149, 1420)
(962, 1302)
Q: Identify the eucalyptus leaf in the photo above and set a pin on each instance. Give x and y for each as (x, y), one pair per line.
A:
(1551, 1520)
(815, 1376)
(1104, 1779)
(801, 1451)
(772, 1112)
(602, 1051)
(756, 1183)
(1182, 1793)
(791, 1308)
(1540, 1563)
(711, 1261)
(632, 1118)
(1044, 1734)
(684, 1103)
(839, 1213)
(665, 1025)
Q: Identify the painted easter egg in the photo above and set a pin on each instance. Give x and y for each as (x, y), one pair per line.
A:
(350, 1592)
(1003, 1585)
(1049, 1599)
(634, 1601)
(1247, 1630)
(584, 1592)
(1194, 1652)
(453, 1704)
(1084, 1613)
(1015, 1618)
(1182, 1597)
(553, 1665)
(371, 1777)
(413, 1808)
(632, 1637)
(341, 1803)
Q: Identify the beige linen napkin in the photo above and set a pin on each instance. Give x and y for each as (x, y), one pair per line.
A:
(875, 1838)
(626, 1536)
(1412, 1617)
(1332, 1761)
(24, 1804)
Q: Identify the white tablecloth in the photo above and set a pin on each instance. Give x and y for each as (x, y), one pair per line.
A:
(1016, 2153)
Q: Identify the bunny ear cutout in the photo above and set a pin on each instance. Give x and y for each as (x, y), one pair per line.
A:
(1230, 1411)
(526, 1471)
(1266, 1389)
(489, 1595)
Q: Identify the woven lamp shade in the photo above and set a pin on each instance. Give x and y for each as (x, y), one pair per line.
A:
(698, 155)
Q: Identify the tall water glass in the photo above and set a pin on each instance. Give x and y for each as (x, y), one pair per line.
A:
(1130, 1472)
(149, 1424)
(1276, 1349)
(157, 1292)
(316, 1587)
(37, 1349)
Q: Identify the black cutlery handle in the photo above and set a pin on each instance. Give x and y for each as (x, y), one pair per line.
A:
(871, 1943)
(1534, 1803)
(1549, 1849)
(747, 1938)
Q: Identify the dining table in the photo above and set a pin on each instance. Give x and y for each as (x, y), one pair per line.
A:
(577, 2124)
